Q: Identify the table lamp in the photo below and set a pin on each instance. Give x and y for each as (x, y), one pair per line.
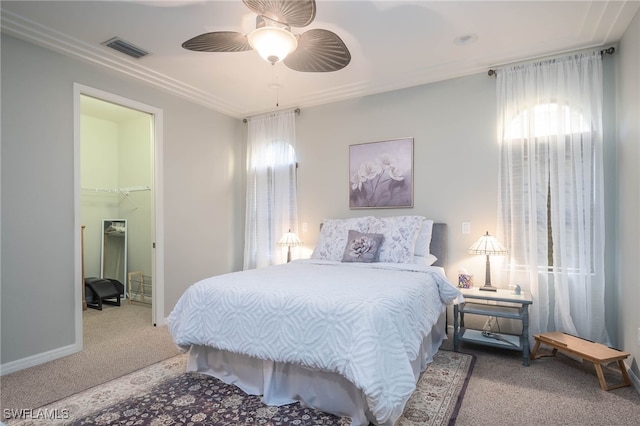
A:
(290, 239)
(488, 246)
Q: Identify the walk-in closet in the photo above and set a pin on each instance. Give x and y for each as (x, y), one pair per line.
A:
(116, 203)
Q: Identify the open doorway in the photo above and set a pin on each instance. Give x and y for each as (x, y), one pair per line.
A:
(118, 213)
(115, 199)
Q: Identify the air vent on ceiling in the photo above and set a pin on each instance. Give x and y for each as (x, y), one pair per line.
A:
(125, 47)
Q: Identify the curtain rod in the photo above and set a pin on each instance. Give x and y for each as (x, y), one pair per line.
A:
(608, 51)
(296, 110)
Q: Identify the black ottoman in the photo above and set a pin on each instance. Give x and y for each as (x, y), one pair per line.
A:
(101, 290)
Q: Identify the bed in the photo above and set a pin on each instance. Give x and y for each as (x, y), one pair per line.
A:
(347, 331)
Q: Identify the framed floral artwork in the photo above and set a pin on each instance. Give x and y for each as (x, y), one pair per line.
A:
(381, 174)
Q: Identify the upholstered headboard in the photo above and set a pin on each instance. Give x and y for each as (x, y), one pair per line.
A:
(439, 246)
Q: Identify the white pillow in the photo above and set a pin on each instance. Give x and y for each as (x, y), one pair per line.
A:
(425, 260)
(400, 235)
(334, 234)
(423, 243)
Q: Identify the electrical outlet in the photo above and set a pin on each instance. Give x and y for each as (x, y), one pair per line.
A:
(305, 227)
(639, 337)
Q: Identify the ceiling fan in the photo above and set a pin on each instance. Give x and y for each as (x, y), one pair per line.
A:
(315, 50)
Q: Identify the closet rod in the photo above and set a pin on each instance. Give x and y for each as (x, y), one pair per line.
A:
(120, 190)
(123, 191)
(608, 51)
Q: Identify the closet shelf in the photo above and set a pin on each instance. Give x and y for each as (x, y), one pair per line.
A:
(122, 191)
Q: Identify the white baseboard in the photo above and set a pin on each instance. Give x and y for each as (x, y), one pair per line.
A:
(33, 360)
(635, 380)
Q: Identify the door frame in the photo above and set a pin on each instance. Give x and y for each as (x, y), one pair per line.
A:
(157, 211)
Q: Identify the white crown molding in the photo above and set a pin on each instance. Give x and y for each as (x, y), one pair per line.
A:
(598, 24)
(25, 29)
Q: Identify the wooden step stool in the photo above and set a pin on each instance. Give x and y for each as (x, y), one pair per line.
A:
(596, 353)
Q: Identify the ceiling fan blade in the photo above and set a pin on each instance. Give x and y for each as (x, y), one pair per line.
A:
(295, 13)
(319, 51)
(220, 41)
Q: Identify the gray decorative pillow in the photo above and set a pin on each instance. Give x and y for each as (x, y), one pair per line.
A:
(333, 236)
(362, 247)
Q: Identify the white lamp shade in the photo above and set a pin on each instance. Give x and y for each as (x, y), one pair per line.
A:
(487, 245)
(289, 239)
(272, 43)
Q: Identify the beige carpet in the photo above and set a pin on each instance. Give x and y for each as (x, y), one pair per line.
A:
(551, 391)
(117, 340)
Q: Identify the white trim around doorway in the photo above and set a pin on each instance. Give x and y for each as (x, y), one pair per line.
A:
(157, 220)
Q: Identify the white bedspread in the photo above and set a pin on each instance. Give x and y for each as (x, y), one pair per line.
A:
(363, 321)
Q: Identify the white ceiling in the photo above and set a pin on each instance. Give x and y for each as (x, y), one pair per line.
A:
(394, 44)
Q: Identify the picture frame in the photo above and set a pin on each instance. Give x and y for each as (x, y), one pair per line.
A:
(381, 174)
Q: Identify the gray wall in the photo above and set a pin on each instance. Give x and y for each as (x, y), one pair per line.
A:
(203, 202)
(456, 169)
(628, 193)
(455, 157)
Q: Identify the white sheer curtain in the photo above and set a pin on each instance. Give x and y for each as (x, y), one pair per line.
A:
(551, 211)
(271, 187)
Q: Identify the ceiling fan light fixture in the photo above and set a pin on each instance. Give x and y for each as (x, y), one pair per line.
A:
(272, 43)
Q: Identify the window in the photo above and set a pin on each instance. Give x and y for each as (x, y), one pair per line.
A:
(547, 125)
(546, 120)
(550, 208)
(271, 187)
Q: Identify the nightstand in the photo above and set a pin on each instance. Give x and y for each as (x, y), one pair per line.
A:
(502, 304)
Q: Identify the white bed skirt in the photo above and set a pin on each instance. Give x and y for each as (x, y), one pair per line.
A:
(282, 383)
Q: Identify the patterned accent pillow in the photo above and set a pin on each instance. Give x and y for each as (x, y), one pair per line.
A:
(333, 236)
(362, 247)
(400, 235)
(423, 243)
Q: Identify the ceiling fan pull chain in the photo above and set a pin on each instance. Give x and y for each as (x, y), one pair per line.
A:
(276, 85)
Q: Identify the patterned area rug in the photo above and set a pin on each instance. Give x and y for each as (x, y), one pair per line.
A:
(163, 394)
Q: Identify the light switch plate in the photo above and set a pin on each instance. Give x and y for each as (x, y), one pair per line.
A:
(466, 227)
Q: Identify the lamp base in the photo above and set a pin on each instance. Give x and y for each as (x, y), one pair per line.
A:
(488, 288)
